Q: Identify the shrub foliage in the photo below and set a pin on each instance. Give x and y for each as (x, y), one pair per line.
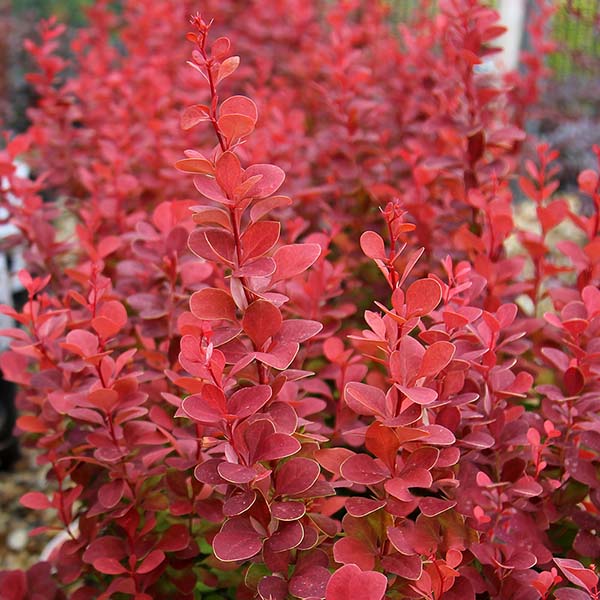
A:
(340, 367)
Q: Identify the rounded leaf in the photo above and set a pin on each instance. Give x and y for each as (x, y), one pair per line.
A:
(363, 469)
(350, 582)
(296, 476)
(212, 304)
(237, 540)
(422, 297)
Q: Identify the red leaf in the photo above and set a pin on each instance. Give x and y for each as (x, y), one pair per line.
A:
(365, 399)
(261, 208)
(248, 400)
(259, 238)
(33, 424)
(419, 395)
(294, 259)
(109, 566)
(177, 537)
(227, 67)
(422, 297)
(436, 358)
(296, 476)
(209, 187)
(239, 105)
(576, 573)
(361, 468)
(153, 560)
(211, 400)
(279, 357)
(82, 342)
(239, 503)
(297, 331)
(219, 48)
(431, 507)
(352, 551)
(361, 507)
(288, 511)
(289, 534)
(350, 582)
(272, 587)
(407, 567)
(309, 583)
(235, 127)
(214, 245)
(372, 245)
(195, 166)
(573, 381)
(383, 443)
(237, 540)
(527, 486)
(103, 547)
(272, 177)
(111, 493)
(111, 318)
(261, 321)
(278, 445)
(193, 115)
(35, 500)
(228, 172)
(235, 473)
(212, 304)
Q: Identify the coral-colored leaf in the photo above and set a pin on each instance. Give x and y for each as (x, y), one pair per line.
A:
(431, 507)
(261, 321)
(350, 582)
(350, 550)
(227, 67)
(278, 445)
(422, 297)
(361, 507)
(372, 245)
(235, 127)
(195, 165)
(361, 468)
(365, 399)
(248, 400)
(294, 259)
(35, 501)
(383, 443)
(436, 357)
(239, 105)
(271, 179)
(259, 238)
(419, 395)
(212, 303)
(193, 115)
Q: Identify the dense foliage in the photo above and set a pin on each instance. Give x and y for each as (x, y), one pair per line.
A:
(339, 368)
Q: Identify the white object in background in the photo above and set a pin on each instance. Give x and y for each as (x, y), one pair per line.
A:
(9, 282)
(512, 16)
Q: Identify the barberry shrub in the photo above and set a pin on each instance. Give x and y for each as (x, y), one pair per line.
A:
(383, 382)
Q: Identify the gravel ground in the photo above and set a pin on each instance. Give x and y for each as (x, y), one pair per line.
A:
(17, 549)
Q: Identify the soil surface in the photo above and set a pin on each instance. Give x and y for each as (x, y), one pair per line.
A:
(19, 550)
